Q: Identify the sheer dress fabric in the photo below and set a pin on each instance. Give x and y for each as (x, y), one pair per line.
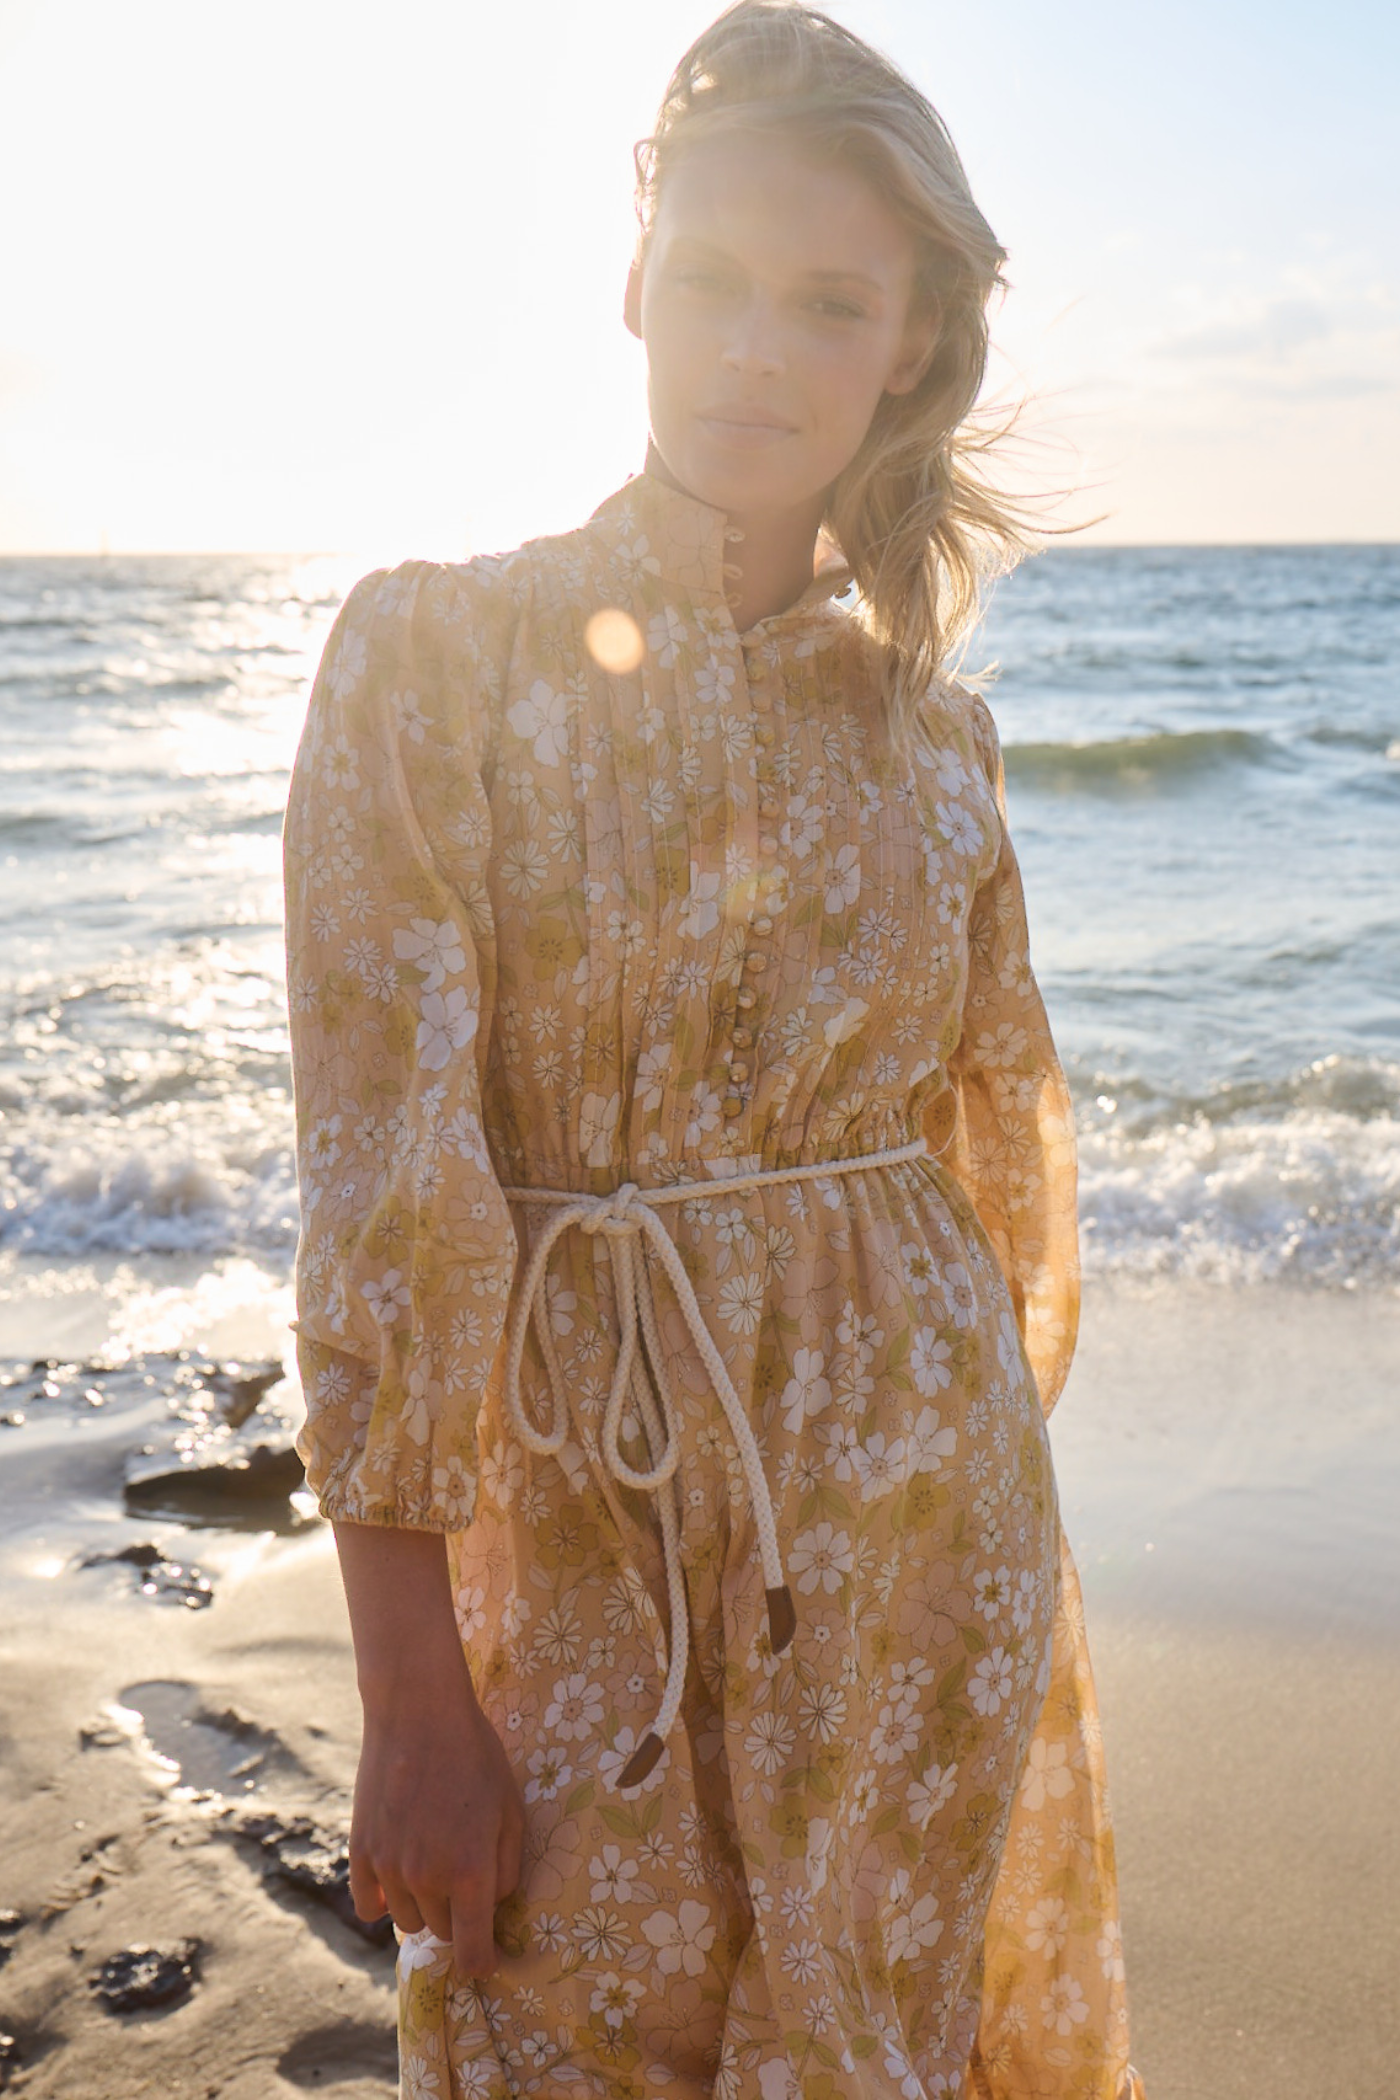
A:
(560, 926)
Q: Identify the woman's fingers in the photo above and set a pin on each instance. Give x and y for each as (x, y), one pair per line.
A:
(510, 1856)
(474, 1946)
(365, 1891)
(407, 1912)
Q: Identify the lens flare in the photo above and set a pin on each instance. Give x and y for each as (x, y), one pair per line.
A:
(614, 640)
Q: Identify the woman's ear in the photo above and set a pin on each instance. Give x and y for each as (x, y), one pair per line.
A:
(632, 301)
(921, 332)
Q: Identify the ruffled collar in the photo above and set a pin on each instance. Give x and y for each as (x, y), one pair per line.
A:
(690, 544)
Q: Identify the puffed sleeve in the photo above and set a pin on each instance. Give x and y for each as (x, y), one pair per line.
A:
(1012, 1147)
(407, 1248)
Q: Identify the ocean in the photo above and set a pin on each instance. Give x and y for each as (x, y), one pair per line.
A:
(1203, 767)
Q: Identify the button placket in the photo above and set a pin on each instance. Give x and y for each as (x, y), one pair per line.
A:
(760, 672)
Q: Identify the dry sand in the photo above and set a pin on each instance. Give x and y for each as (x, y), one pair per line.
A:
(1228, 1468)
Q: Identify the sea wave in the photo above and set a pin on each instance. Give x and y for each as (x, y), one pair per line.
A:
(1133, 763)
(1310, 1195)
(1313, 1195)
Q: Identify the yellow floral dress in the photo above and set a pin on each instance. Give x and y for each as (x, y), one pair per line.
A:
(574, 904)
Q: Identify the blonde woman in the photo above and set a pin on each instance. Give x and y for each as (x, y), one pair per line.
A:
(688, 1252)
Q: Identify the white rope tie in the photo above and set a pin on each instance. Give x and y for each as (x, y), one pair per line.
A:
(628, 1220)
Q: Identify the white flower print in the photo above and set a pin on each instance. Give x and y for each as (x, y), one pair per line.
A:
(386, 1296)
(741, 1303)
(807, 1393)
(1109, 1948)
(821, 1711)
(927, 1794)
(667, 635)
(959, 826)
(915, 1925)
(347, 669)
(990, 1683)
(822, 1556)
(612, 1876)
(770, 1741)
(549, 1773)
(447, 1024)
(1063, 2008)
(682, 1938)
(616, 1997)
(543, 717)
(896, 1732)
(880, 1464)
(960, 1295)
(597, 1128)
(991, 1593)
(701, 913)
(435, 949)
(1048, 1775)
(929, 1444)
(576, 1708)
(842, 878)
(930, 1361)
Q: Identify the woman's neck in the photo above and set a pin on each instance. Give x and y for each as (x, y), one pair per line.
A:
(769, 554)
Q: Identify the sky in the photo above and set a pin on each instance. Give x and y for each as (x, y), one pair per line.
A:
(303, 275)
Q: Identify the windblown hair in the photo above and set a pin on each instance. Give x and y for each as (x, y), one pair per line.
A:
(920, 526)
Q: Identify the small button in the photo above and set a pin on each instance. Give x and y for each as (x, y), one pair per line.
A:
(763, 731)
(763, 924)
(742, 1038)
(734, 534)
(768, 805)
(733, 1104)
(738, 1072)
(746, 997)
(755, 963)
(767, 843)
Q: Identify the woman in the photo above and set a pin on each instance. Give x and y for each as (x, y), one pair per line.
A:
(688, 1246)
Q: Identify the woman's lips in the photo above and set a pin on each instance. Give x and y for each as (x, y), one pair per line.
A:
(746, 429)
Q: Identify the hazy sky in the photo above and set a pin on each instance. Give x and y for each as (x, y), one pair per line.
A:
(306, 274)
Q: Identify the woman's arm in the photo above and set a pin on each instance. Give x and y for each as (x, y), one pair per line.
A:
(438, 1827)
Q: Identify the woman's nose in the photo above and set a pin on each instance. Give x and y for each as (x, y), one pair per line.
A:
(754, 344)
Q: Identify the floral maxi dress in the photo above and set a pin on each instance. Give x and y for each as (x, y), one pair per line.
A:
(578, 902)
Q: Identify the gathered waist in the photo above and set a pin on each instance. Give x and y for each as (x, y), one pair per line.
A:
(628, 1219)
(695, 1187)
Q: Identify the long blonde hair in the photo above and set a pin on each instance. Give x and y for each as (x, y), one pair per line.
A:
(918, 522)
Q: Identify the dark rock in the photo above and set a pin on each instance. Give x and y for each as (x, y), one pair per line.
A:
(168, 1581)
(11, 1922)
(141, 1978)
(316, 1862)
(10, 2058)
(253, 1485)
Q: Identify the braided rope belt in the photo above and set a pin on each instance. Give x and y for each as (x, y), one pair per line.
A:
(628, 1220)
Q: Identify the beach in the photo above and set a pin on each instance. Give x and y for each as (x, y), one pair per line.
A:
(1228, 1461)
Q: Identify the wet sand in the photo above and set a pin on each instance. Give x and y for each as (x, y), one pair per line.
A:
(1228, 1467)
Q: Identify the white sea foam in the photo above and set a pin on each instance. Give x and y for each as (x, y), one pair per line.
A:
(1312, 1195)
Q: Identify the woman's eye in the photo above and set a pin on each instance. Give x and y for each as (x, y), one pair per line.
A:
(837, 309)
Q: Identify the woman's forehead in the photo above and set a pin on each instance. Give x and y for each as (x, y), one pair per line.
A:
(765, 198)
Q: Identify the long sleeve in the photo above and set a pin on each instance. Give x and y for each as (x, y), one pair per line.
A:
(1012, 1147)
(407, 1247)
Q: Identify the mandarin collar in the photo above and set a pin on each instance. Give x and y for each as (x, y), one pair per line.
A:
(689, 544)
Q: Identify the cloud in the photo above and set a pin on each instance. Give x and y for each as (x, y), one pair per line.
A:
(1284, 327)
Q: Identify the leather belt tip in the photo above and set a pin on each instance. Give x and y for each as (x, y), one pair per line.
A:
(643, 1761)
(782, 1619)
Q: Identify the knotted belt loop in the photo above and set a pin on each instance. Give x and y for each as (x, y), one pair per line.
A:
(628, 1220)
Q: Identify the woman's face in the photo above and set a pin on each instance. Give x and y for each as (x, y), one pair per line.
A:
(774, 303)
